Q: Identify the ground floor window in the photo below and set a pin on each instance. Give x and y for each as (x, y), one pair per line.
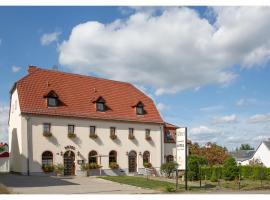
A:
(47, 158)
(92, 157)
(146, 157)
(169, 158)
(112, 157)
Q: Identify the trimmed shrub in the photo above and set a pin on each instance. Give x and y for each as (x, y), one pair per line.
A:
(231, 170)
(193, 167)
(168, 168)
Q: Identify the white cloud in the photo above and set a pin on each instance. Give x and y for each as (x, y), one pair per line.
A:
(259, 118)
(224, 119)
(48, 38)
(4, 109)
(212, 108)
(15, 68)
(173, 51)
(162, 106)
(202, 130)
(245, 102)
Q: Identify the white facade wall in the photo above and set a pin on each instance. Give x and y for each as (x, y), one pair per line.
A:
(83, 144)
(17, 139)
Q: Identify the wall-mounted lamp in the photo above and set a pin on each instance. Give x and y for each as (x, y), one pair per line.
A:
(140, 153)
(127, 153)
(61, 153)
(78, 153)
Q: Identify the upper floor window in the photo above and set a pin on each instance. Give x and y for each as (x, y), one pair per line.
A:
(92, 130)
(112, 131)
(71, 129)
(169, 137)
(52, 99)
(100, 105)
(46, 128)
(139, 109)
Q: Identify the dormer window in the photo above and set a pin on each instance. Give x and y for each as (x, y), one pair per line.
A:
(52, 99)
(140, 109)
(100, 105)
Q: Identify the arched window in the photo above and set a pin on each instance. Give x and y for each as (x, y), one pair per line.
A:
(169, 158)
(112, 157)
(92, 157)
(47, 158)
(146, 157)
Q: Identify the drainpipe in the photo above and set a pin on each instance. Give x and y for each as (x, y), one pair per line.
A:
(29, 139)
(162, 144)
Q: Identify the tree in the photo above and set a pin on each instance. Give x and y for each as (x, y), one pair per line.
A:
(194, 163)
(168, 168)
(246, 147)
(231, 170)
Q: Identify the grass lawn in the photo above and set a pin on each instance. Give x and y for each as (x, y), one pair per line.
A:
(165, 186)
(3, 189)
(143, 182)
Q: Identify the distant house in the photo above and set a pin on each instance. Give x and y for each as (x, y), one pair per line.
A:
(261, 155)
(4, 157)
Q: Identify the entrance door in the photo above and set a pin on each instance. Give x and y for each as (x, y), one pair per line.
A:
(132, 162)
(69, 164)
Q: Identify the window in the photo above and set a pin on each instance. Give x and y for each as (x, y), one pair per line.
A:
(46, 128)
(146, 157)
(131, 132)
(147, 133)
(139, 109)
(169, 136)
(169, 158)
(47, 158)
(112, 157)
(71, 129)
(92, 157)
(100, 104)
(112, 131)
(52, 101)
(92, 130)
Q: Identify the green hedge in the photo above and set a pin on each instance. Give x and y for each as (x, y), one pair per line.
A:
(247, 172)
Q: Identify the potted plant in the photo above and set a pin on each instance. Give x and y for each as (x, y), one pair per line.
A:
(47, 168)
(59, 169)
(131, 137)
(93, 136)
(114, 165)
(71, 135)
(83, 170)
(113, 136)
(147, 165)
(94, 169)
(148, 137)
(47, 134)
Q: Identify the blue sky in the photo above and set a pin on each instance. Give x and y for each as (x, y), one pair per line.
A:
(204, 67)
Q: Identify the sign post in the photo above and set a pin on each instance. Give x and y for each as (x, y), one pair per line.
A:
(181, 151)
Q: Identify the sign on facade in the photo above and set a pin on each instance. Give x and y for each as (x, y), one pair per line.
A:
(181, 137)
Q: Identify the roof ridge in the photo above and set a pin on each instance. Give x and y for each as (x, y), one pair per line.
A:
(80, 75)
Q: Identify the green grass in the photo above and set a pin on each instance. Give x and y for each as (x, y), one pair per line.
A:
(143, 182)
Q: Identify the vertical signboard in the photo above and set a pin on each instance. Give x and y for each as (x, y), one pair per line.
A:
(181, 148)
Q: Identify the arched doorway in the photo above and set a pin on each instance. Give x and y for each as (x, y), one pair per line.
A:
(132, 162)
(69, 164)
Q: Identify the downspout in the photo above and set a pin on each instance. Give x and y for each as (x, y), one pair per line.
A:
(162, 144)
(29, 139)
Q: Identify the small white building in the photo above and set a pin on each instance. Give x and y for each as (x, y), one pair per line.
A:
(4, 158)
(260, 155)
(69, 119)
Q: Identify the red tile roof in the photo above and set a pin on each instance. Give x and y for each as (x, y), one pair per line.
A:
(76, 93)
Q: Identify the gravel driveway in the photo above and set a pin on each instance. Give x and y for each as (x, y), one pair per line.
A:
(67, 185)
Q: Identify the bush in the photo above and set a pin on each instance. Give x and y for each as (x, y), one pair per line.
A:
(193, 166)
(94, 166)
(59, 168)
(214, 176)
(231, 170)
(84, 167)
(47, 168)
(168, 168)
(259, 172)
(147, 165)
(114, 165)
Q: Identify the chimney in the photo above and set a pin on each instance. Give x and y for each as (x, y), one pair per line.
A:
(31, 69)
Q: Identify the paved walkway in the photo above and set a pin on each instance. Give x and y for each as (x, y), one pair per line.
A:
(67, 185)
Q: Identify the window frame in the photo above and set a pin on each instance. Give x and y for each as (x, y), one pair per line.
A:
(44, 161)
(147, 132)
(131, 132)
(55, 101)
(49, 126)
(112, 131)
(89, 157)
(140, 109)
(73, 128)
(93, 133)
(114, 157)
